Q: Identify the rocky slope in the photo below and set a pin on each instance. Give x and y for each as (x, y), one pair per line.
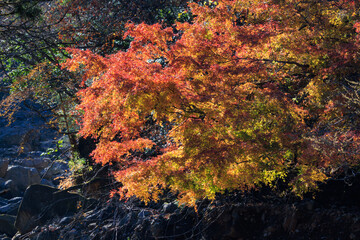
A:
(21, 162)
(232, 216)
(45, 212)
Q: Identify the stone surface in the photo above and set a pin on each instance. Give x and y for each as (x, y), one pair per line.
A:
(11, 189)
(26, 133)
(7, 224)
(22, 177)
(3, 201)
(4, 237)
(38, 162)
(55, 169)
(225, 219)
(15, 200)
(41, 203)
(144, 213)
(11, 137)
(47, 183)
(169, 207)
(8, 152)
(2, 183)
(26, 130)
(10, 208)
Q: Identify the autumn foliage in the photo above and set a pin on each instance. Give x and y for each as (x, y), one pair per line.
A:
(253, 92)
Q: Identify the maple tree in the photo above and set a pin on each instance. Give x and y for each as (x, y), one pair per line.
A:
(253, 92)
(33, 34)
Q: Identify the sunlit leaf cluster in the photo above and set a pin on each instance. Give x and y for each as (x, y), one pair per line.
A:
(253, 92)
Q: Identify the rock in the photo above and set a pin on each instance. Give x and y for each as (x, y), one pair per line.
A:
(48, 234)
(46, 144)
(290, 221)
(7, 224)
(15, 200)
(22, 177)
(140, 231)
(2, 184)
(4, 237)
(342, 192)
(30, 141)
(3, 201)
(129, 219)
(54, 169)
(11, 137)
(169, 207)
(47, 183)
(3, 167)
(17, 236)
(27, 131)
(41, 203)
(10, 208)
(10, 186)
(8, 152)
(92, 226)
(38, 163)
(158, 227)
(144, 213)
(65, 220)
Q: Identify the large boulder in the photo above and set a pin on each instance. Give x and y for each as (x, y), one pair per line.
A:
(22, 177)
(11, 136)
(41, 203)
